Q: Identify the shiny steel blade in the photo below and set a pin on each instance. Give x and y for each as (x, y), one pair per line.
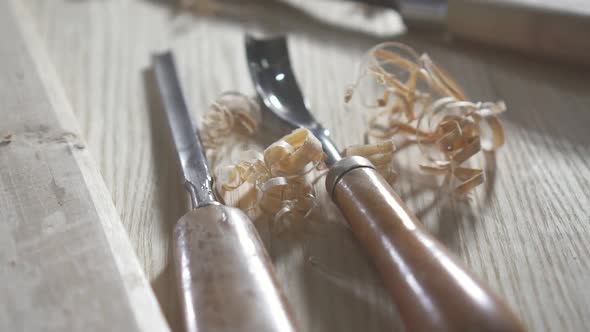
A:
(270, 68)
(190, 151)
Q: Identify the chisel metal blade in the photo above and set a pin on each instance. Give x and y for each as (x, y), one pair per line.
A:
(198, 180)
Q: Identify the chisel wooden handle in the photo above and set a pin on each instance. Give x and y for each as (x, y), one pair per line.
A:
(225, 277)
(432, 290)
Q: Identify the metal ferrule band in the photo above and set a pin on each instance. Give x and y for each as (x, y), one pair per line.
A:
(343, 166)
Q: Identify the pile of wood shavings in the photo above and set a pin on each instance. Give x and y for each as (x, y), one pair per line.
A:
(277, 181)
(416, 102)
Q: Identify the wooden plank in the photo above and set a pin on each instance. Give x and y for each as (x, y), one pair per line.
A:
(525, 234)
(65, 260)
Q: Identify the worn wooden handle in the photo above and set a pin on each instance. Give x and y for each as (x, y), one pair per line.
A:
(431, 289)
(225, 277)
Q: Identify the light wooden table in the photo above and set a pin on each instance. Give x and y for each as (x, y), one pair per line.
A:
(526, 234)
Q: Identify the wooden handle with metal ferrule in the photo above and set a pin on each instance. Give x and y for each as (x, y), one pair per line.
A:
(432, 290)
(224, 275)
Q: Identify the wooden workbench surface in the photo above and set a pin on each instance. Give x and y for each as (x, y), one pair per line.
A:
(525, 233)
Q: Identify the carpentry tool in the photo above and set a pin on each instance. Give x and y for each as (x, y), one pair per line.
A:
(553, 29)
(433, 291)
(224, 275)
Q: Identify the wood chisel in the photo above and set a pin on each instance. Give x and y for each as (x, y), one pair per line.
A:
(432, 290)
(224, 274)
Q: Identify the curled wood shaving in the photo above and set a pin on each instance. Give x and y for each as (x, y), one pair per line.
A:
(421, 104)
(277, 181)
(232, 112)
(380, 154)
(274, 182)
(227, 125)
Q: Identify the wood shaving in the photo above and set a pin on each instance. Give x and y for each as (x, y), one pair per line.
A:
(230, 120)
(380, 154)
(421, 104)
(232, 112)
(274, 182)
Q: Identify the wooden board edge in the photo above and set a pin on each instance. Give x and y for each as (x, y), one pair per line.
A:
(148, 313)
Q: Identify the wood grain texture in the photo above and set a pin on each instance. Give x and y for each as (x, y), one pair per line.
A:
(66, 262)
(525, 232)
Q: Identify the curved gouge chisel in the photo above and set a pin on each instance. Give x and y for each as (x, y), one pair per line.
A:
(224, 275)
(432, 290)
